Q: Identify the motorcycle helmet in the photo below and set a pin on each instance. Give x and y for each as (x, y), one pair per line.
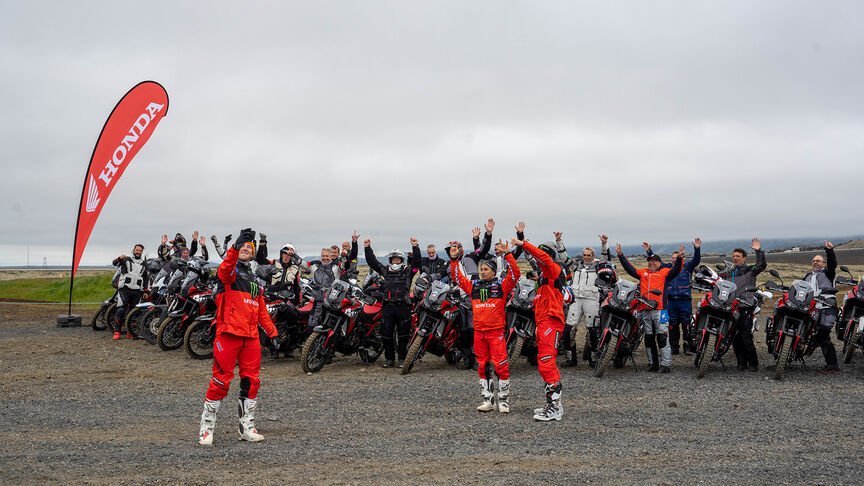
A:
(458, 245)
(548, 247)
(152, 265)
(395, 267)
(178, 239)
(285, 248)
(606, 274)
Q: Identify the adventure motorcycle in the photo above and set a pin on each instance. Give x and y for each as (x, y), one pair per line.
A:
(620, 332)
(521, 326)
(850, 323)
(436, 328)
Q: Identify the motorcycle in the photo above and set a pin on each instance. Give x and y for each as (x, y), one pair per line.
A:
(196, 299)
(106, 314)
(619, 322)
(290, 321)
(521, 327)
(436, 325)
(349, 322)
(790, 333)
(850, 324)
(717, 317)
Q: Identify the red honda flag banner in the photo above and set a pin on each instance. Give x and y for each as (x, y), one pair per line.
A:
(127, 129)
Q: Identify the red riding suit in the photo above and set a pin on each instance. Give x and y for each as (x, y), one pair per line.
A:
(549, 314)
(488, 300)
(240, 309)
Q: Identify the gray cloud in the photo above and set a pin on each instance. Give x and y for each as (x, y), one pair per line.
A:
(308, 120)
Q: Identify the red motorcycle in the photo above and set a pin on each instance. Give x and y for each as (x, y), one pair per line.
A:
(850, 324)
(349, 321)
(619, 323)
(436, 325)
(196, 299)
(290, 321)
(790, 333)
(717, 317)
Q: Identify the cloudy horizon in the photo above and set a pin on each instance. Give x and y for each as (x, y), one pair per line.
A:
(309, 120)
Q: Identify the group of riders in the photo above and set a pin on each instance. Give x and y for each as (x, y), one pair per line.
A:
(569, 290)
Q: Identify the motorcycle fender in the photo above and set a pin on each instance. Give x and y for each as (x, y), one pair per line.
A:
(521, 333)
(176, 313)
(208, 317)
(423, 332)
(144, 305)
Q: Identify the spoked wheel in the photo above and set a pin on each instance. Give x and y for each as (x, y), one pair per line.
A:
(199, 338)
(148, 325)
(604, 359)
(849, 343)
(314, 352)
(413, 354)
(133, 318)
(783, 359)
(110, 318)
(169, 335)
(706, 355)
(98, 321)
(516, 348)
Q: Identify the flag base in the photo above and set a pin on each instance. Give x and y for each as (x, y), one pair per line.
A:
(70, 320)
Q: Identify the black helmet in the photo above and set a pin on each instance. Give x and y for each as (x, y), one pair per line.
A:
(178, 238)
(548, 247)
(152, 265)
(606, 274)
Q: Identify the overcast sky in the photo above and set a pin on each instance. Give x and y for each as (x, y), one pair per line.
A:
(308, 120)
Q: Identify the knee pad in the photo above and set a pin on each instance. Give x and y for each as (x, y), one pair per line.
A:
(661, 340)
(249, 387)
(650, 340)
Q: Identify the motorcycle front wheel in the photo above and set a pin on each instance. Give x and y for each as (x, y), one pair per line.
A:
(98, 321)
(148, 325)
(314, 354)
(132, 320)
(604, 358)
(516, 349)
(705, 356)
(849, 344)
(413, 354)
(169, 336)
(198, 340)
(783, 359)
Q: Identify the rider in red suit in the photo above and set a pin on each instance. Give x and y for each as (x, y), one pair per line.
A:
(488, 301)
(549, 315)
(240, 309)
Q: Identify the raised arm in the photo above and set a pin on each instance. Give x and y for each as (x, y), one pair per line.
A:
(512, 276)
(625, 264)
(373, 262)
(831, 261)
(550, 269)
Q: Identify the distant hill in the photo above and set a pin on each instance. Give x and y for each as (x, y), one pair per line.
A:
(852, 244)
(768, 244)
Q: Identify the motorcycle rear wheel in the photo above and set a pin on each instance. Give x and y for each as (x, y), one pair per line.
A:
(314, 354)
(707, 354)
(604, 358)
(517, 348)
(148, 325)
(198, 340)
(169, 336)
(98, 321)
(413, 352)
(783, 359)
(371, 351)
(110, 318)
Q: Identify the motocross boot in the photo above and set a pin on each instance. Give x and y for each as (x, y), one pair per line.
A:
(503, 395)
(486, 389)
(208, 421)
(246, 428)
(553, 409)
(572, 361)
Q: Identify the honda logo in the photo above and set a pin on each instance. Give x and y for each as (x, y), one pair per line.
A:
(92, 196)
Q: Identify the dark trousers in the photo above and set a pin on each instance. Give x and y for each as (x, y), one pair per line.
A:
(466, 333)
(395, 318)
(129, 298)
(823, 340)
(679, 317)
(745, 350)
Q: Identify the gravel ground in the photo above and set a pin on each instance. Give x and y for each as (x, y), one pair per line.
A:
(77, 407)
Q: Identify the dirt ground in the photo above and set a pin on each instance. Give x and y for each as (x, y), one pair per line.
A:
(77, 407)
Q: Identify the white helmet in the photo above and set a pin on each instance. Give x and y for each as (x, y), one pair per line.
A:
(395, 267)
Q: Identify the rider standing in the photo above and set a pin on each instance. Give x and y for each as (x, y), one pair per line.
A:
(822, 277)
(130, 285)
(743, 276)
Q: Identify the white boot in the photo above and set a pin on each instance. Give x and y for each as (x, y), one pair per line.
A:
(246, 410)
(503, 394)
(208, 421)
(553, 409)
(486, 390)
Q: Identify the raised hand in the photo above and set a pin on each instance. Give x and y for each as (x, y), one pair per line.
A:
(697, 243)
(202, 241)
(618, 249)
(557, 235)
(516, 242)
(603, 239)
(414, 242)
(355, 237)
(502, 246)
(681, 251)
(476, 232)
(646, 245)
(490, 225)
(121, 257)
(367, 242)
(829, 245)
(195, 235)
(520, 228)
(164, 239)
(755, 244)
